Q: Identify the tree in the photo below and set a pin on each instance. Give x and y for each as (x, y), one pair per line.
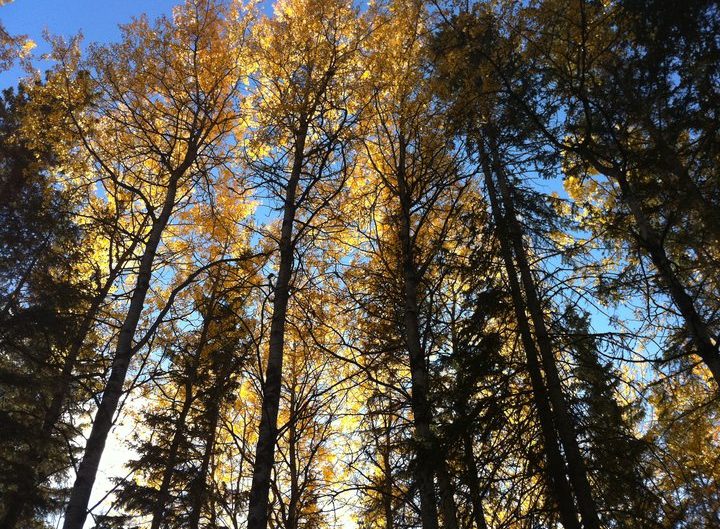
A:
(165, 105)
(171, 478)
(306, 59)
(419, 181)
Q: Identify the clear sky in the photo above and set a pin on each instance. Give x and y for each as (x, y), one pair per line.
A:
(98, 20)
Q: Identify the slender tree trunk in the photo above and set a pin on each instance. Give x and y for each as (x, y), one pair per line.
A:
(703, 339)
(557, 472)
(200, 486)
(575, 464)
(387, 482)
(447, 495)
(76, 511)
(267, 435)
(473, 483)
(425, 465)
(158, 515)
(292, 516)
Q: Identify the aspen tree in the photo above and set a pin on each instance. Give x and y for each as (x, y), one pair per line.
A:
(167, 94)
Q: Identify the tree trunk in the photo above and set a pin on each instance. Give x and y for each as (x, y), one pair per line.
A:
(200, 486)
(76, 510)
(422, 414)
(293, 504)
(705, 343)
(447, 495)
(267, 435)
(568, 437)
(387, 485)
(17, 502)
(473, 483)
(557, 472)
(158, 515)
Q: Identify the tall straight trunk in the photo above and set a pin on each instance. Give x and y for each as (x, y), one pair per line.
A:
(387, 486)
(76, 511)
(425, 464)
(577, 470)
(267, 434)
(158, 514)
(293, 515)
(557, 472)
(473, 483)
(447, 495)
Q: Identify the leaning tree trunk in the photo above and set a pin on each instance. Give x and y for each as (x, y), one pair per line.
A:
(18, 502)
(557, 472)
(698, 329)
(577, 470)
(267, 435)
(706, 345)
(76, 511)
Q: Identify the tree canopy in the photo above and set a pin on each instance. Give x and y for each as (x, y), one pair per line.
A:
(396, 264)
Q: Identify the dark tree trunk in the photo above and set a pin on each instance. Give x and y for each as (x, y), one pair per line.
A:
(698, 329)
(473, 483)
(447, 495)
(267, 435)
(387, 485)
(199, 489)
(568, 437)
(425, 466)
(158, 515)
(706, 345)
(557, 473)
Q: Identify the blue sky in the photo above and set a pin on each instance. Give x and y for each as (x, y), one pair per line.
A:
(98, 20)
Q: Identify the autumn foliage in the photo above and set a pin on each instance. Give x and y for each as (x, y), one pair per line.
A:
(398, 264)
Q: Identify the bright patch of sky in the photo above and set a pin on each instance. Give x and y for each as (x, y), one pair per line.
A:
(97, 20)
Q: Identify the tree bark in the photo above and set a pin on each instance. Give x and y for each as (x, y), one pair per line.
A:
(447, 495)
(387, 485)
(200, 486)
(267, 435)
(473, 483)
